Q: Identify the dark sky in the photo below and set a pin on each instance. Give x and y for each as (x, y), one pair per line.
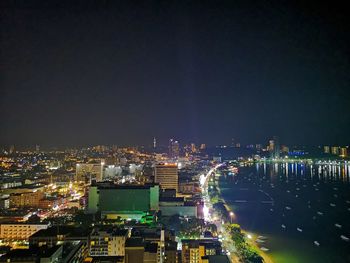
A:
(101, 72)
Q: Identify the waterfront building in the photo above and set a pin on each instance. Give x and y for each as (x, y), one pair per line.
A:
(326, 149)
(166, 175)
(343, 152)
(335, 150)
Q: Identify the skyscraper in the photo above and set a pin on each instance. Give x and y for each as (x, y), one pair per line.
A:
(174, 149)
(166, 175)
(277, 147)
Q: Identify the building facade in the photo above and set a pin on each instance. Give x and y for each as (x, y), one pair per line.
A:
(166, 175)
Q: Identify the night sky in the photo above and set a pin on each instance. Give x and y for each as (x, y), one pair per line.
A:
(98, 72)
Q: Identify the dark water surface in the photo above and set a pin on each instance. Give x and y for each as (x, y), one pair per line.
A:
(302, 209)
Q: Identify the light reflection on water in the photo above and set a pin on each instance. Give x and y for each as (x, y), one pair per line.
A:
(322, 172)
(317, 197)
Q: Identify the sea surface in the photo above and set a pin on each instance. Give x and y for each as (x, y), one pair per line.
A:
(303, 210)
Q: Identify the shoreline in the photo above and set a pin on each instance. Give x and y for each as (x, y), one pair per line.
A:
(267, 258)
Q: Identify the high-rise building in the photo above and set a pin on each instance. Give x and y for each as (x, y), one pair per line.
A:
(203, 146)
(274, 147)
(335, 150)
(87, 172)
(326, 149)
(11, 149)
(154, 143)
(343, 152)
(193, 148)
(277, 147)
(194, 249)
(166, 175)
(107, 242)
(174, 149)
(125, 201)
(284, 149)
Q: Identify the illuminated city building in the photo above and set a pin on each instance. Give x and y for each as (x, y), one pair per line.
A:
(174, 149)
(343, 152)
(193, 148)
(326, 149)
(194, 249)
(107, 242)
(124, 201)
(274, 147)
(335, 150)
(154, 143)
(26, 199)
(87, 172)
(166, 175)
(17, 231)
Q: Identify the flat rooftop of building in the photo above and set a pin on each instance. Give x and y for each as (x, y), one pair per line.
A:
(171, 199)
(61, 230)
(28, 253)
(217, 259)
(110, 185)
(134, 242)
(109, 230)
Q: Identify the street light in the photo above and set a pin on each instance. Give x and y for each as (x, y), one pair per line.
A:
(231, 216)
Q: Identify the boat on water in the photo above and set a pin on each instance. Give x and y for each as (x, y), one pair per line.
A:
(316, 243)
(260, 241)
(332, 205)
(299, 229)
(283, 226)
(264, 249)
(338, 225)
(345, 238)
(319, 213)
(288, 208)
(262, 237)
